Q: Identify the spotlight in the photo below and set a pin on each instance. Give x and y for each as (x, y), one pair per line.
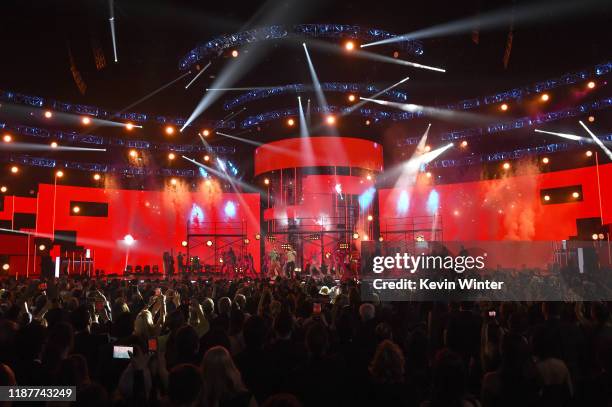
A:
(267, 181)
(352, 98)
(5, 266)
(428, 174)
(3, 189)
(42, 247)
(367, 122)
(456, 212)
(206, 132)
(595, 236)
(506, 166)
(128, 240)
(544, 97)
(171, 156)
(184, 243)
(464, 144)
(7, 138)
(395, 54)
(370, 218)
(169, 130)
(59, 174)
(601, 236)
(247, 241)
(235, 53)
(380, 238)
(257, 236)
(86, 121)
(129, 126)
(208, 182)
(369, 177)
(575, 195)
(48, 114)
(545, 160)
(97, 177)
(591, 119)
(14, 169)
(76, 209)
(589, 153)
(54, 144)
(547, 198)
(349, 45)
(365, 237)
(330, 120)
(133, 153)
(173, 181)
(206, 158)
(209, 243)
(591, 85)
(504, 107)
(427, 149)
(290, 122)
(220, 260)
(355, 235)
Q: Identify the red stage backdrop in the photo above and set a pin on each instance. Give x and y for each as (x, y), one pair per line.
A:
(157, 220)
(511, 208)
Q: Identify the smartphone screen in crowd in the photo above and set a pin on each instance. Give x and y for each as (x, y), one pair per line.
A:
(492, 314)
(316, 308)
(121, 352)
(153, 345)
(99, 306)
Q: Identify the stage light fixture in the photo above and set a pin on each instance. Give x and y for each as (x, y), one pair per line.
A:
(589, 153)
(601, 236)
(547, 197)
(257, 236)
(506, 166)
(504, 107)
(206, 158)
(220, 260)
(349, 45)
(595, 236)
(97, 177)
(184, 243)
(464, 144)
(3, 189)
(267, 181)
(367, 122)
(128, 240)
(235, 53)
(330, 120)
(352, 98)
(54, 144)
(59, 174)
(396, 54)
(544, 97)
(129, 126)
(48, 114)
(14, 169)
(5, 266)
(169, 130)
(427, 149)
(369, 177)
(7, 138)
(591, 85)
(591, 119)
(247, 241)
(208, 182)
(86, 121)
(133, 153)
(171, 156)
(42, 247)
(206, 132)
(456, 212)
(209, 243)
(545, 160)
(370, 218)
(290, 122)
(380, 238)
(76, 209)
(355, 235)
(173, 181)
(575, 195)
(365, 238)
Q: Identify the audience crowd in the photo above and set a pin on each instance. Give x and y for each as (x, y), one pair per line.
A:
(291, 342)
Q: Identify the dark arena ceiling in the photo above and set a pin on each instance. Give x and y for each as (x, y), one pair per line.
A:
(557, 48)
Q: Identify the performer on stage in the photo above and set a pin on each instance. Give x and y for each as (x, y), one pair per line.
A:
(290, 264)
(274, 263)
(180, 259)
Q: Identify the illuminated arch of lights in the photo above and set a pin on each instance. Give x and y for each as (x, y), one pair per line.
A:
(297, 88)
(216, 46)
